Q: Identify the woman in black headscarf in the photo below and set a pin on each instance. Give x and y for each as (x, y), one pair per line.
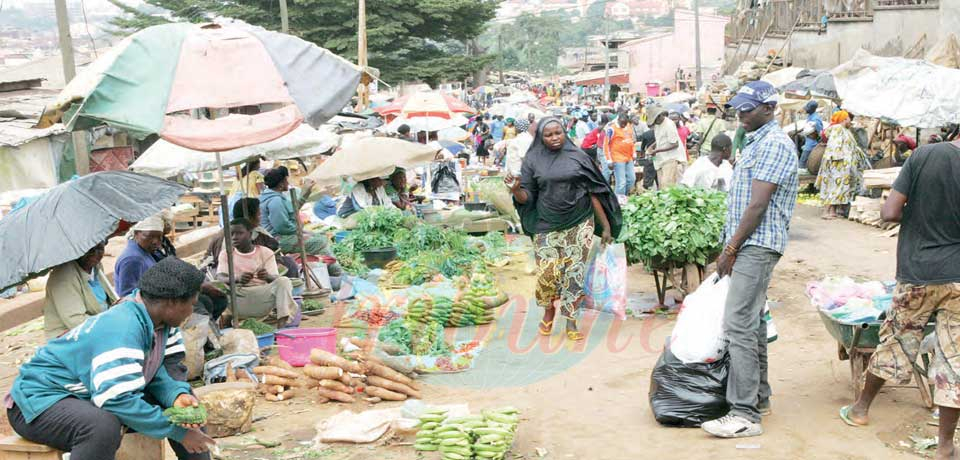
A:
(563, 202)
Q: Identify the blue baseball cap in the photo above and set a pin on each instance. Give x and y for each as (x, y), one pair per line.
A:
(752, 94)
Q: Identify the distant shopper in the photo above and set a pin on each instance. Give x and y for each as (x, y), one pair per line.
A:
(619, 142)
(708, 127)
(926, 201)
(811, 141)
(669, 156)
(763, 194)
(712, 171)
(496, 129)
(841, 169)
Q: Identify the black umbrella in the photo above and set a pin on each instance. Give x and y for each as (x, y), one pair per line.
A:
(75, 216)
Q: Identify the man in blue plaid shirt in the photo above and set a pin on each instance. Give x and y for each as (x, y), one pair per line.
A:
(762, 196)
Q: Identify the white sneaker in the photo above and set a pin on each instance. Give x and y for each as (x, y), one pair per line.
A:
(732, 426)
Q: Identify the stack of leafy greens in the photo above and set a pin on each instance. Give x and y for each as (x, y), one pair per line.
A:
(673, 227)
(427, 250)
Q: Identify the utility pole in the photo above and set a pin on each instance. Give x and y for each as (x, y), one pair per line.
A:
(500, 51)
(284, 19)
(606, 62)
(696, 42)
(364, 90)
(66, 42)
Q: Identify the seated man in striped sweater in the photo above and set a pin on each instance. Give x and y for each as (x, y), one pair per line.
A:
(81, 389)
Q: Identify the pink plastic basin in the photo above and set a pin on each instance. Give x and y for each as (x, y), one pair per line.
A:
(295, 344)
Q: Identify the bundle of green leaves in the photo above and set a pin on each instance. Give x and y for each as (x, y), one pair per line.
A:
(673, 227)
(430, 248)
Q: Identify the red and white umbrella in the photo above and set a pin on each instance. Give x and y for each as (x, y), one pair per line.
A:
(424, 104)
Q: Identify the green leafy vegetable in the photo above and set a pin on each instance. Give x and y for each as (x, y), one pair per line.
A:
(676, 226)
(258, 327)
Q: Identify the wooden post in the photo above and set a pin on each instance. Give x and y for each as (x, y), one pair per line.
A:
(307, 273)
(363, 91)
(81, 152)
(227, 243)
(284, 18)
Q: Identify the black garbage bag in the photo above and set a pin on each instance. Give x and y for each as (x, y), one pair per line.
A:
(686, 395)
(444, 178)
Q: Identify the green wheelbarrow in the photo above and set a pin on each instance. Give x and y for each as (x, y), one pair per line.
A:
(856, 342)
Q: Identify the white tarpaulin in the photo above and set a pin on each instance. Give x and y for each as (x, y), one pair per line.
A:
(910, 92)
(166, 160)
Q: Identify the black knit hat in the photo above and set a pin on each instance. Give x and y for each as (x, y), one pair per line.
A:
(274, 176)
(171, 278)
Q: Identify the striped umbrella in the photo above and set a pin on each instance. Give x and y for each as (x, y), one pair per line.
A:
(425, 104)
(164, 80)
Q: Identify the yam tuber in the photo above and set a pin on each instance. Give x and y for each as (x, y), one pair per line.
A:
(276, 361)
(274, 380)
(335, 395)
(387, 373)
(323, 372)
(384, 393)
(392, 386)
(278, 371)
(325, 358)
(334, 385)
(284, 396)
(242, 376)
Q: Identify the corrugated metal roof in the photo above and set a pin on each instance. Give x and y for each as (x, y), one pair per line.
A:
(19, 113)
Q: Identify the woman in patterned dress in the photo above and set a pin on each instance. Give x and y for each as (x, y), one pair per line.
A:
(841, 167)
(563, 202)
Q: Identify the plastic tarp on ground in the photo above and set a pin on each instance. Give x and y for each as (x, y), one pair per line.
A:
(910, 92)
(165, 159)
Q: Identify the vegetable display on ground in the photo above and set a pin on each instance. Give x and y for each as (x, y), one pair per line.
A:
(486, 436)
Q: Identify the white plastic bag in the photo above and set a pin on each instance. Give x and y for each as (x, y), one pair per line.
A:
(605, 284)
(698, 335)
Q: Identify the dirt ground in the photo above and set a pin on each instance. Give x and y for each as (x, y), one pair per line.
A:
(593, 403)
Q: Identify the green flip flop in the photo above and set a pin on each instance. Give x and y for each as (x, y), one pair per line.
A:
(845, 416)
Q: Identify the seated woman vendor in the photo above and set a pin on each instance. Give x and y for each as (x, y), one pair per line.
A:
(366, 193)
(261, 292)
(79, 390)
(277, 218)
(75, 291)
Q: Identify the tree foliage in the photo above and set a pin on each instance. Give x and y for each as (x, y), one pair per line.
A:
(406, 39)
(534, 42)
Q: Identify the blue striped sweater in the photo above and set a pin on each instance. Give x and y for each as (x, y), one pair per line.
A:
(101, 360)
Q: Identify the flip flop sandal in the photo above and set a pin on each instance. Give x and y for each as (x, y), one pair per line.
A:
(575, 336)
(546, 327)
(845, 416)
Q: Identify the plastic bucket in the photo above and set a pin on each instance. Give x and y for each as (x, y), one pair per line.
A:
(265, 340)
(294, 345)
